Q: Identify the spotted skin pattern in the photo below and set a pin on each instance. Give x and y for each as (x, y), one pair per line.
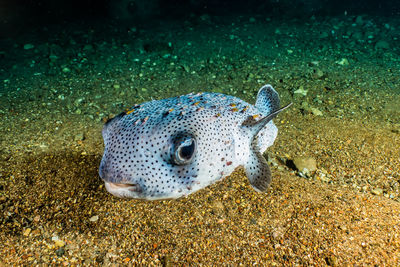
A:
(173, 147)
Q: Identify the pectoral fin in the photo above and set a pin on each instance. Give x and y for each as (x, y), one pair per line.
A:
(257, 170)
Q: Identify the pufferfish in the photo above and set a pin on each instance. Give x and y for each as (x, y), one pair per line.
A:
(173, 147)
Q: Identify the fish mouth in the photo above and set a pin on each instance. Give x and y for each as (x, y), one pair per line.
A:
(118, 185)
(123, 190)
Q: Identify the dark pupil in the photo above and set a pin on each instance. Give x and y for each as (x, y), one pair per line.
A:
(186, 152)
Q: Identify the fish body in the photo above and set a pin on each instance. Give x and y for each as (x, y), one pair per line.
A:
(173, 147)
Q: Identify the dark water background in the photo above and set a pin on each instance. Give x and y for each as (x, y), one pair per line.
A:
(24, 15)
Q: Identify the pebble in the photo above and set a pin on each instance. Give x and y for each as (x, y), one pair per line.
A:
(94, 218)
(301, 91)
(318, 74)
(53, 58)
(66, 70)
(306, 109)
(59, 243)
(377, 191)
(27, 231)
(79, 101)
(315, 111)
(28, 46)
(343, 62)
(331, 260)
(305, 165)
(323, 176)
(218, 207)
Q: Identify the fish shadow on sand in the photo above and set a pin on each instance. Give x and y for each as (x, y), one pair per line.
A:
(50, 188)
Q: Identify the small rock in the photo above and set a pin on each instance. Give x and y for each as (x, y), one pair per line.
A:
(377, 191)
(301, 91)
(185, 68)
(27, 231)
(28, 46)
(331, 260)
(316, 111)
(305, 165)
(343, 62)
(79, 101)
(59, 243)
(53, 57)
(218, 206)
(66, 70)
(94, 218)
(307, 109)
(324, 179)
(318, 74)
(272, 160)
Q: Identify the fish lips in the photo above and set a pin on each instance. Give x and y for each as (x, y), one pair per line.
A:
(117, 184)
(123, 190)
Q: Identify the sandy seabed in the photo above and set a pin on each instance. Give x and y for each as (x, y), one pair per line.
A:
(345, 86)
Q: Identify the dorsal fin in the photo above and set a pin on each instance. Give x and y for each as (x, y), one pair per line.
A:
(267, 100)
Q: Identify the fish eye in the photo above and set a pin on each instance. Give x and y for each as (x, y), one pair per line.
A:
(184, 148)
